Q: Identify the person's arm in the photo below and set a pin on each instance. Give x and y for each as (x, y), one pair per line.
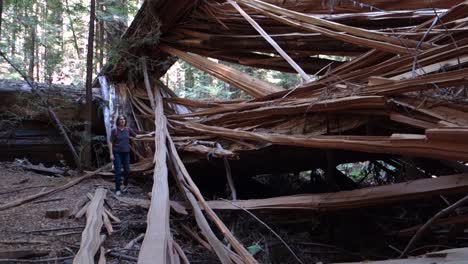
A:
(109, 144)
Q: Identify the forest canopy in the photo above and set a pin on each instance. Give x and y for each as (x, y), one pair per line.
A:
(47, 40)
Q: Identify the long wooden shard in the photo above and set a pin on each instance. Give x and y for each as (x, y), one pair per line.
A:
(154, 248)
(271, 41)
(418, 189)
(412, 145)
(316, 21)
(90, 238)
(354, 39)
(215, 243)
(193, 196)
(252, 86)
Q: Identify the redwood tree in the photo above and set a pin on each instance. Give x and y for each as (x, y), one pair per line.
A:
(89, 82)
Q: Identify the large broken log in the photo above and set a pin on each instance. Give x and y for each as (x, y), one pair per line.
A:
(372, 196)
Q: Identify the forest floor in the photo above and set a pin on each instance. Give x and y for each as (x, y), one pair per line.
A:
(26, 232)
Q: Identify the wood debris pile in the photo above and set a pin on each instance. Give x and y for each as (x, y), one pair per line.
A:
(397, 99)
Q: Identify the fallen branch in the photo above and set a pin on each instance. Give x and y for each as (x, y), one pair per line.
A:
(11, 242)
(57, 189)
(134, 241)
(34, 260)
(122, 256)
(423, 228)
(25, 188)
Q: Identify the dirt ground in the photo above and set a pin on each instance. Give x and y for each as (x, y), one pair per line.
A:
(26, 233)
(25, 228)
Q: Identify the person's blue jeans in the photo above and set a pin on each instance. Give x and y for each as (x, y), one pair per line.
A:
(121, 158)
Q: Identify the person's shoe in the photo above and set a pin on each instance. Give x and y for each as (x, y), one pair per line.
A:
(125, 189)
(118, 193)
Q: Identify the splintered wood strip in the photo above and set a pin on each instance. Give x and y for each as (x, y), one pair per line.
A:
(451, 118)
(452, 220)
(287, 107)
(394, 193)
(248, 84)
(370, 43)
(79, 205)
(316, 21)
(217, 246)
(111, 216)
(134, 241)
(204, 150)
(180, 252)
(197, 237)
(106, 111)
(272, 42)
(413, 147)
(411, 121)
(107, 223)
(102, 256)
(319, 6)
(299, 107)
(154, 248)
(456, 134)
(90, 239)
(197, 201)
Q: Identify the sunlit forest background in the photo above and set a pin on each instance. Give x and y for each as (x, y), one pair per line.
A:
(47, 41)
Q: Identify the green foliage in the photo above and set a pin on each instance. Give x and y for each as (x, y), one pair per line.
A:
(56, 50)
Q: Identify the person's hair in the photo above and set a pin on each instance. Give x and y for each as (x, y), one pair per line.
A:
(118, 118)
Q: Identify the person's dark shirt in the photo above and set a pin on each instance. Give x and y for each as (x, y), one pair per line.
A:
(120, 139)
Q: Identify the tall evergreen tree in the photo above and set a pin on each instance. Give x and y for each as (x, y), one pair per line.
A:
(89, 82)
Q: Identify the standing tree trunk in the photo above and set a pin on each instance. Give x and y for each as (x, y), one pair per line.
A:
(14, 30)
(72, 27)
(47, 47)
(89, 83)
(32, 43)
(1, 13)
(101, 37)
(38, 46)
(32, 53)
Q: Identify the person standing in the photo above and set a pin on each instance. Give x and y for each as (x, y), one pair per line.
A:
(119, 149)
